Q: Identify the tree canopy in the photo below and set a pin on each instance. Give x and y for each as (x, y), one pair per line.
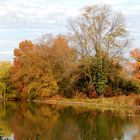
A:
(86, 62)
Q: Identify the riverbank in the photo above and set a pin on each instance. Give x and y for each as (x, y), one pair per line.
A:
(124, 102)
(119, 102)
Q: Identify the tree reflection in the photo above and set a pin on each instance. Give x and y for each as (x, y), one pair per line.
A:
(31, 121)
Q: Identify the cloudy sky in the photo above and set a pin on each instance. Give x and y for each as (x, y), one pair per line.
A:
(29, 19)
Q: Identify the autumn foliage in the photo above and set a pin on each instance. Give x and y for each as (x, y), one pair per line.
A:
(135, 54)
(88, 62)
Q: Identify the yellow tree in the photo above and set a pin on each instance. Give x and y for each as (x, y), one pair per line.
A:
(4, 70)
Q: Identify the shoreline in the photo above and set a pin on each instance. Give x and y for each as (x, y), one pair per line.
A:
(120, 102)
(82, 103)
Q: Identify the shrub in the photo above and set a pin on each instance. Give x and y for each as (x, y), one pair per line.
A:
(109, 92)
(80, 95)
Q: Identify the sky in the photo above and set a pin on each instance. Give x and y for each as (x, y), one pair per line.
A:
(30, 19)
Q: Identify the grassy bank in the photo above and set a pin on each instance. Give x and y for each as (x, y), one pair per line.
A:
(124, 102)
(119, 102)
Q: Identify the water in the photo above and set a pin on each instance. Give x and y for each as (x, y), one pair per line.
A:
(31, 121)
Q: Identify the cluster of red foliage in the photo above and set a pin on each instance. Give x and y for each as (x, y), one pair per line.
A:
(23, 49)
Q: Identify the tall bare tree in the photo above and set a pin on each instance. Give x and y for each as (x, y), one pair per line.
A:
(98, 29)
(98, 33)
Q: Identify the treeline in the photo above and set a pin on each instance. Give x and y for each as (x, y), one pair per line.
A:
(87, 62)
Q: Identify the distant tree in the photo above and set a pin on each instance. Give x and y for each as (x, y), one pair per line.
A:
(4, 71)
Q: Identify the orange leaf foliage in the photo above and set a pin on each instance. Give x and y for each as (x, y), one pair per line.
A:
(136, 65)
(24, 47)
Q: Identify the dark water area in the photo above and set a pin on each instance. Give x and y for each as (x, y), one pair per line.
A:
(32, 121)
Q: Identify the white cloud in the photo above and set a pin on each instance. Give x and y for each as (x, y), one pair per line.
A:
(25, 13)
(28, 19)
(6, 52)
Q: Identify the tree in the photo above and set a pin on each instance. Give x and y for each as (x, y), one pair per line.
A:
(135, 54)
(16, 73)
(99, 30)
(4, 71)
(31, 74)
(98, 34)
(39, 68)
(61, 59)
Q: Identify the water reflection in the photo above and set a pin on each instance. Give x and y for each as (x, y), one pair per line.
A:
(31, 121)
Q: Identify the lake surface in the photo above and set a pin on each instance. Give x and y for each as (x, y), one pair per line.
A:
(31, 121)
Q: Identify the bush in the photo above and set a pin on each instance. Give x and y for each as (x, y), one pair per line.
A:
(109, 92)
(80, 95)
